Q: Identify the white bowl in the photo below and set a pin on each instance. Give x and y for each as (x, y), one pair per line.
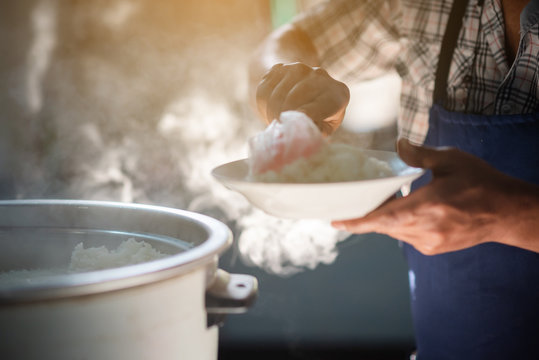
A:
(331, 201)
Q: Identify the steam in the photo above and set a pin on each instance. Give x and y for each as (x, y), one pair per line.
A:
(279, 246)
(136, 113)
(119, 13)
(286, 247)
(43, 24)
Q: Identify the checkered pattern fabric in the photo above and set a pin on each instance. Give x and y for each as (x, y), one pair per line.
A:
(362, 39)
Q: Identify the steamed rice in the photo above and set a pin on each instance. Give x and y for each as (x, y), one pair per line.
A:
(332, 163)
(129, 252)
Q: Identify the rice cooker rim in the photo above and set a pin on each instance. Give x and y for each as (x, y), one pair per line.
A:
(204, 255)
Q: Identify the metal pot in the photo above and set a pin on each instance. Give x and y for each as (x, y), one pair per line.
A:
(163, 309)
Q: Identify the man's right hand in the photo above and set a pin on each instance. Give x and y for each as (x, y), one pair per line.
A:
(311, 90)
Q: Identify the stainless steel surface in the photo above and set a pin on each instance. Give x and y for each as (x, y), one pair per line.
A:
(42, 233)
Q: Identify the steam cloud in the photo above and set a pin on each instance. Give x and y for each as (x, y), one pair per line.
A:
(126, 102)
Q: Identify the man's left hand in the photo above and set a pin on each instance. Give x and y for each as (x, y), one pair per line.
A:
(466, 203)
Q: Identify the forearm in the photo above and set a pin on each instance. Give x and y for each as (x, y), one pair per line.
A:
(288, 44)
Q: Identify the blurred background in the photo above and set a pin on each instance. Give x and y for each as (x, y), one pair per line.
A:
(137, 100)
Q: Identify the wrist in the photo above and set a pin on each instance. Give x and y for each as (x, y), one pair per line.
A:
(521, 216)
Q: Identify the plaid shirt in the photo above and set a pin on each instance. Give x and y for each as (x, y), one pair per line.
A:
(362, 39)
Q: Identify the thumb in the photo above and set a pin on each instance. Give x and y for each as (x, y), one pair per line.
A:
(424, 156)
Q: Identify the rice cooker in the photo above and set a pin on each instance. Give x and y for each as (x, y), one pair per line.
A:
(168, 308)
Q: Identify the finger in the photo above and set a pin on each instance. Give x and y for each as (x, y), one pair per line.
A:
(413, 155)
(318, 113)
(272, 77)
(293, 75)
(389, 218)
(374, 222)
(266, 87)
(322, 98)
(439, 160)
(303, 92)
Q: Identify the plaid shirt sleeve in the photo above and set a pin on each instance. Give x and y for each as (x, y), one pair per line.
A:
(362, 39)
(354, 39)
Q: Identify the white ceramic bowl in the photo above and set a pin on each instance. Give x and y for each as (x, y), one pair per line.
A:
(331, 201)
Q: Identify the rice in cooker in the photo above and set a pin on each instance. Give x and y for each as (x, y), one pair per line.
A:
(129, 252)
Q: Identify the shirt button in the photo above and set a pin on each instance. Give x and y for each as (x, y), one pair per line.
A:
(507, 108)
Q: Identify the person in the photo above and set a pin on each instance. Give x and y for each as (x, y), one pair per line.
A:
(469, 114)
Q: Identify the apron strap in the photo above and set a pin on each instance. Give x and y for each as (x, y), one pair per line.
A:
(446, 52)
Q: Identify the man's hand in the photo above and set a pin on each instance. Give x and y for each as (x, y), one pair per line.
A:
(303, 88)
(468, 202)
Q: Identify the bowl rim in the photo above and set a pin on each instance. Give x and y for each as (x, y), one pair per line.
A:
(409, 172)
(254, 191)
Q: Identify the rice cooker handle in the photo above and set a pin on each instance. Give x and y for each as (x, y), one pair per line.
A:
(229, 294)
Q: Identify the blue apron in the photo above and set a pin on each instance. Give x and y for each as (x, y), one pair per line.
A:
(481, 302)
